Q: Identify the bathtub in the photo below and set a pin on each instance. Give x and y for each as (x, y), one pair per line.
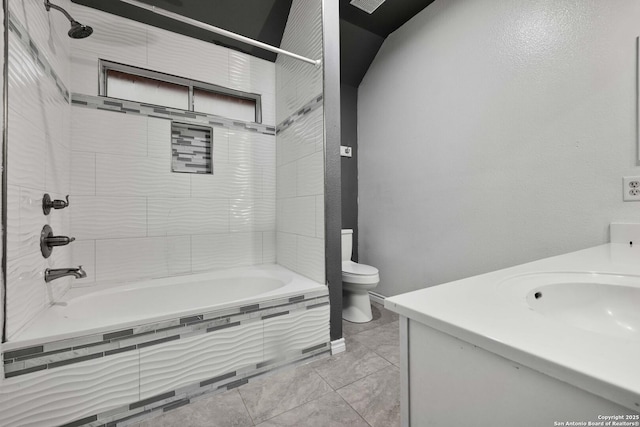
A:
(143, 348)
(96, 309)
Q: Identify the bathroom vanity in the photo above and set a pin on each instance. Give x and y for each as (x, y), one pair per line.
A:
(555, 342)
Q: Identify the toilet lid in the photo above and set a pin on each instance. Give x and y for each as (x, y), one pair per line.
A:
(358, 269)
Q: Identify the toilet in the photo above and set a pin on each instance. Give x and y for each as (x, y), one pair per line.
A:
(357, 281)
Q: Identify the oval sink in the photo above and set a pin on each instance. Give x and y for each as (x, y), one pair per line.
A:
(605, 308)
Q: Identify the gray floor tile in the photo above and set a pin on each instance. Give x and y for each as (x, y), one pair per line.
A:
(381, 316)
(220, 410)
(384, 340)
(344, 368)
(328, 411)
(376, 397)
(284, 390)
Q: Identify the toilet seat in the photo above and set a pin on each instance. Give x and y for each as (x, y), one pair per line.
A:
(360, 274)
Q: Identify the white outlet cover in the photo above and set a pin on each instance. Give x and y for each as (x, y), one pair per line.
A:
(631, 188)
(346, 151)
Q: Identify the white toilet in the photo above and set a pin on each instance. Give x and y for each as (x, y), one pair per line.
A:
(357, 281)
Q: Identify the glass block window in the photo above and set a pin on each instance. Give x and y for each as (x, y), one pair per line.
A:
(192, 148)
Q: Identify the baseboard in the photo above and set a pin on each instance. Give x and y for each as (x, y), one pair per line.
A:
(338, 346)
(376, 297)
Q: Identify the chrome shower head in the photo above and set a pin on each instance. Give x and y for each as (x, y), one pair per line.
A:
(77, 31)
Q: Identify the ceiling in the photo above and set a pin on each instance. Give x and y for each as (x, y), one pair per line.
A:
(361, 36)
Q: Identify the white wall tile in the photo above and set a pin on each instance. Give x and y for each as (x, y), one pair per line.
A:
(269, 247)
(240, 76)
(48, 31)
(296, 142)
(27, 152)
(108, 132)
(130, 154)
(129, 259)
(269, 109)
(108, 217)
(287, 248)
(251, 148)
(31, 220)
(295, 332)
(252, 215)
(220, 146)
(57, 167)
(114, 38)
(170, 52)
(159, 138)
(26, 80)
(298, 215)
(176, 364)
(311, 260)
(286, 101)
(83, 174)
(310, 174)
(287, 179)
(269, 182)
(67, 393)
(83, 252)
(39, 160)
(228, 180)
(263, 76)
(121, 175)
(320, 217)
(26, 290)
(85, 72)
(218, 251)
(14, 240)
(189, 216)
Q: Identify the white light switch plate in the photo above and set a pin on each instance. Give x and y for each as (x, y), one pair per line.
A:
(345, 151)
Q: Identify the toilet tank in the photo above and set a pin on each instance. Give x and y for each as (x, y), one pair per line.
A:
(347, 242)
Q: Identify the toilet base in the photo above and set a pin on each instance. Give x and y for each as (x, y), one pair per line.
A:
(356, 306)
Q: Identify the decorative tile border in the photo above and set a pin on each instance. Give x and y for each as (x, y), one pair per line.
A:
(191, 148)
(157, 405)
(312, 105)
(74, 350)
(150, 110)
(16, 27)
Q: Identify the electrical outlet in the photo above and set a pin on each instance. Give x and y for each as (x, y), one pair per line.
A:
(631, 188)
(345, 151)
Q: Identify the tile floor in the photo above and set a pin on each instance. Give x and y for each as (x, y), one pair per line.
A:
(360, 387)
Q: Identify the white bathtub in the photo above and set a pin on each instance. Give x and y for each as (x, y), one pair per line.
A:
(91, 310)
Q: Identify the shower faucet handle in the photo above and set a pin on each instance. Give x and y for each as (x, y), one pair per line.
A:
(48, 204)
(48, 241)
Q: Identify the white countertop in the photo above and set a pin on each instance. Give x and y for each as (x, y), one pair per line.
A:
(480, 311)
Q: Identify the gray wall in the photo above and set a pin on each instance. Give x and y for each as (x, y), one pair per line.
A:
(349, 166)
(495, 133)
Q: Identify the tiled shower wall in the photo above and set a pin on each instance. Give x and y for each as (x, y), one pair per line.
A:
(300, 145)
(132, 216)
(39, 149)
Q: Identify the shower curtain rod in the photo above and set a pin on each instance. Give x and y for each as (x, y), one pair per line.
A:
(220, 31)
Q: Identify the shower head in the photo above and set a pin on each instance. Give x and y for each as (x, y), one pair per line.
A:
(77, 31)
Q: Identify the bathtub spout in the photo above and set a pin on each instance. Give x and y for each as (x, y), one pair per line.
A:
(56, 273)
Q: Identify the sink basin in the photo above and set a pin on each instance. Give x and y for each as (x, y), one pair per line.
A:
(602, 303)
(608, 309)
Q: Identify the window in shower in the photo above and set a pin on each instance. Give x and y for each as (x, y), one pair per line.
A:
(152, 87)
